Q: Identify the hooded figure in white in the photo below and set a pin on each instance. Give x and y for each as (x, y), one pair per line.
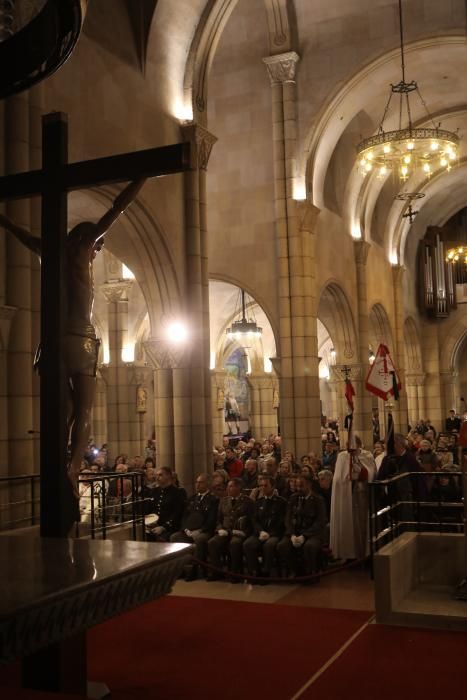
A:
(349, 502)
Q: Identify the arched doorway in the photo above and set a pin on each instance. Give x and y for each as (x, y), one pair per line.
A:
(243, 378)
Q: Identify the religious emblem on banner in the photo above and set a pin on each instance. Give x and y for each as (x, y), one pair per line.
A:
(382, 378)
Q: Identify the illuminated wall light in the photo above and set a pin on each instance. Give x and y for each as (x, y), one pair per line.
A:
(393, 259)
(128, 353)
(299, 190)
(267, 364)
(127, 273)
(183, 111)
(176, 332)
(212, 360)
(356, 232)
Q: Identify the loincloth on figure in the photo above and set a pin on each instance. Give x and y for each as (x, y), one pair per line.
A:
(81, 354)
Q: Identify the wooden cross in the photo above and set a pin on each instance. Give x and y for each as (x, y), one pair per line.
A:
(52, 183)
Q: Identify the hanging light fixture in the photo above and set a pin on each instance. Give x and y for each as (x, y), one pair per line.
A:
(243, 327)
(407, 149)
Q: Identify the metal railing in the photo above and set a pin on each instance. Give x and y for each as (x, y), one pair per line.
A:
(109, 501)
(19, 501)
(415, 502)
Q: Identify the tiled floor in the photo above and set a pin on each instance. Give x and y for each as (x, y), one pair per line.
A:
(349, 589)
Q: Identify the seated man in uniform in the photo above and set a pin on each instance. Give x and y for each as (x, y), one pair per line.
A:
(233, 527)
(198, 522)
(305, 529)
(167, 504)
(268, 526)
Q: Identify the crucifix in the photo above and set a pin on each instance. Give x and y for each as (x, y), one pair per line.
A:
(57, 177)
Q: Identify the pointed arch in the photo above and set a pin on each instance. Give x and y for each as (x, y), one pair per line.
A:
(413, 349)
(335, 313)
(380, 328)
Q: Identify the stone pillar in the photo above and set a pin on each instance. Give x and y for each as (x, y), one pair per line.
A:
(355, 374)
(140, 413)
(362, 418)
(400, 413)
(299, 384)
(433, 388)
(263, 413)
(412, 399)
(161, 360)
(99, 411)
(450, 392)
(197, 290)
(218, 406)
(117, 373)
(18, 294)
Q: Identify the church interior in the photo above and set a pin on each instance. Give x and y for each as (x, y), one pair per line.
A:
(323, 206)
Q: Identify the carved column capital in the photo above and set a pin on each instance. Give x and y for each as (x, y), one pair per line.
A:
(415, 379)
(276, 363)
(201, 141)
(140, 376)
(165, 355)
(116, 291)
(398, 274)
(338, 372)
(282, 67)
(448, 376)
(361, 249)
(307, 215)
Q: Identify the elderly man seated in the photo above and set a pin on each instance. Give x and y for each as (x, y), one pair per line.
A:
(198, 522)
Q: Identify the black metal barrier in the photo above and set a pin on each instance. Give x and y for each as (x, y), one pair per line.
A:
(19, 501)
(415, 502)
(110, 501)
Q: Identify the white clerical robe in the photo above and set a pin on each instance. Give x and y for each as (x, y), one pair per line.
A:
(349, 509)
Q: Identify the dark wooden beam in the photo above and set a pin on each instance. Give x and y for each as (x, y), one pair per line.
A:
(153, 162)
(59, 508)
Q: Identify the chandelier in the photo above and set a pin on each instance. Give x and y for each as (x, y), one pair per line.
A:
(243, 327)
(453, 255)
(407, 149)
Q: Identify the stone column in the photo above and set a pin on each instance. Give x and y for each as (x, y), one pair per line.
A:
(450, 390)
(118, 394)
(18, 294)
(400, 412)
(299, 384)
(140, 413)
(197, 289)
(338, 373)
(218, 406)
(412, 399)
(363, 413)
(160, 358)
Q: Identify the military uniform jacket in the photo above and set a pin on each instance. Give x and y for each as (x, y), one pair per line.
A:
(269, 515)
(306, 516)
(235, 514)
(168, 505)
(201, 513)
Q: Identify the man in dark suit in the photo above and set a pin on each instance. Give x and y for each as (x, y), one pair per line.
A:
(305, 528)
(233, 527)
(268, 528)
(167, 504)
(198, 521)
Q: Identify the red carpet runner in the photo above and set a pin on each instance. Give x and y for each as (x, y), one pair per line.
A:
(395, 663)
(189, 648)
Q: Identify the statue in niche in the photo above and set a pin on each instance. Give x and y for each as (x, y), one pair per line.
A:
(81, 345)
(232, 414)
(220, 399)
(141, 399)
(275, 399)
